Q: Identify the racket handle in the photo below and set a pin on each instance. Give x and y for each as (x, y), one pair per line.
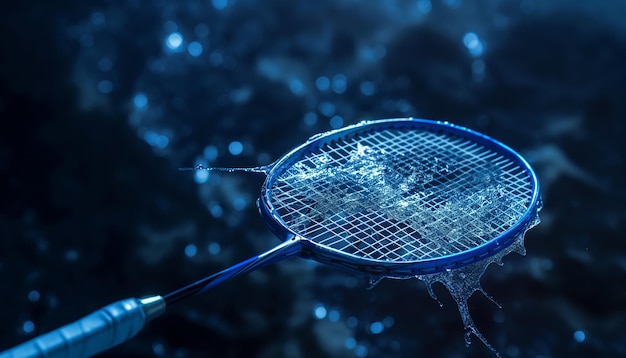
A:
(94, 333)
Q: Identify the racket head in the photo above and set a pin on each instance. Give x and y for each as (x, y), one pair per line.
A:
(400, 197)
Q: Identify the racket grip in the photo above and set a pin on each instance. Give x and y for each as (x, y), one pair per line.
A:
(94, 333)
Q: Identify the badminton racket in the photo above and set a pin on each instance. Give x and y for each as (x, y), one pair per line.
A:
(394, 198)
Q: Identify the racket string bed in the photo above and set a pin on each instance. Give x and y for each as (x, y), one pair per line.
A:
(402, 195)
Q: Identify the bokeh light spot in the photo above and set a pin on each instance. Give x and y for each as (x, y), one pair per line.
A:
(214, 248)
(339, 83)
(319, 311)
(350, 343)
(327, 108)
(322, 83)
(336, 122)
(174, 41)
(140, 101)
(191, 250)
(33, 296)
(579, 336)
(473, 44)
(105, 87)
(310, 118)
(195, 49)
(296, 86)
(28, 327)
(376, 327)
(105, 64)
(235, 148)
(368, 88)
(219, 4)
(216, 210)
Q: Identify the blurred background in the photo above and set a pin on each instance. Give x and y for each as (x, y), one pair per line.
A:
(102, 101)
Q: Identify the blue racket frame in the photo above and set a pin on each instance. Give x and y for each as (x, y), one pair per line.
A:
(308, 249)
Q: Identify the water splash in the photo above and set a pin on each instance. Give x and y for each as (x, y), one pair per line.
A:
(464, 281)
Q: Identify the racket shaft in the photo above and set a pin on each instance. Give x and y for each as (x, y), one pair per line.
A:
(92, 334)
(286, 249)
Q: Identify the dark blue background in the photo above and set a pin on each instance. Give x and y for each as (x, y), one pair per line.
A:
(93, 208)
